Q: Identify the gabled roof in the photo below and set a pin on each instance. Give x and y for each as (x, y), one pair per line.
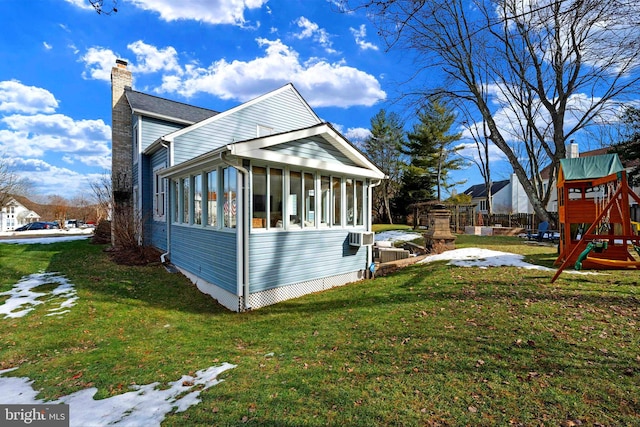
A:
(170, 137)
(480, 190)
(165, 109)
(590, 167)
(544, 173)
(259, 148)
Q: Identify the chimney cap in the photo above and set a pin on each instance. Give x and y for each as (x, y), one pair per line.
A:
(121, 63)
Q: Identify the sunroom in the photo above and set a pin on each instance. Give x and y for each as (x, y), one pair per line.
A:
(273, 216)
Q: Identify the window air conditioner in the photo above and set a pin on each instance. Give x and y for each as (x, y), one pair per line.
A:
(361, 238)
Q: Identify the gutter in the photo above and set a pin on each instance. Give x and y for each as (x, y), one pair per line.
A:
(370, 263)
(167, 215)
(245, 227)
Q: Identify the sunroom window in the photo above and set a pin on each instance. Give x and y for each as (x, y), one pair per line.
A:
(212, 198)
(294, 203)
(359, 203)
(260, 203)
(229, 185)
(325, 200)
(336, 194)
(309, 200)
(185, 200)
(276, 196)
(197, 199)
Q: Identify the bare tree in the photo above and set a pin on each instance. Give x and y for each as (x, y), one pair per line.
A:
(479, 134)
(102, 194)
(10, 182)
(100, 7)
(60, 207)
(553, 67)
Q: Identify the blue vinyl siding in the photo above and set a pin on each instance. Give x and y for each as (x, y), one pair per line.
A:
(152, 129)
(282, 112)
(206, 253)
(312, 148)
(155, 231)
(300, 256)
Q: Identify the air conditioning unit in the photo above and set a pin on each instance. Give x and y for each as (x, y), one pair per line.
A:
(361, 238)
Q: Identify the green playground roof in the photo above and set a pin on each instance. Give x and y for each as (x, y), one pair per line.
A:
(590, 167)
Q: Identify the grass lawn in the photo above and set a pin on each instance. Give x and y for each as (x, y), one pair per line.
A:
(428, 345)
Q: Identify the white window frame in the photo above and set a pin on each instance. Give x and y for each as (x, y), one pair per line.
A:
(159, 195)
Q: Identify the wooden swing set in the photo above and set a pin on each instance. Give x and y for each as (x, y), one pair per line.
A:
(596, 230)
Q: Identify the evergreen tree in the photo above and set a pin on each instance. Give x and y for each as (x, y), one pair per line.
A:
(629, 148)
(431, 151)
(383, 148)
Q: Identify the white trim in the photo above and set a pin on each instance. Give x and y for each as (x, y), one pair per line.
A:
(313, 164)
(296, 290)
(253, 147)
(156, 178)
(224, 297)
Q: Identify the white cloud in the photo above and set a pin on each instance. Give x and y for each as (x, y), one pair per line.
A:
(150, 59)
(313, 31)
(357, 134)
(99, 62)
(50, 179)
(83, 141)
(47, 46)
(212, 12)
(18, 98)
(82, 4)
(360, 35)
(323, 84)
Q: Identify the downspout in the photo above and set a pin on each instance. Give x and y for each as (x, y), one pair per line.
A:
(163, 257)
(245, 231)
(370, 264)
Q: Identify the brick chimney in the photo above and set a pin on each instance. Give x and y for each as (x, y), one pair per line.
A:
(121, 153)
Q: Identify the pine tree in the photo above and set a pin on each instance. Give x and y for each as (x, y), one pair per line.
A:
(383, 148)
(629, 148)
(431, 151)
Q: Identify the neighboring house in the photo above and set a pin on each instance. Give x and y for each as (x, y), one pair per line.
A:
(573, 152)
(508, 197)
(257, 204)
(15, 214)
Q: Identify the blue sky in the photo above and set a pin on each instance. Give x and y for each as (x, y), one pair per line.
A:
(57, 55)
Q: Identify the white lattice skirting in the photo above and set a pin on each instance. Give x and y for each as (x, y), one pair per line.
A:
(275, 295)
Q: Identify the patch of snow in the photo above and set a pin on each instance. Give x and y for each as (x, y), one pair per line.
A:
(483, 258)
(23, 299)
(43, 240)
(396, 236)
(146, 405)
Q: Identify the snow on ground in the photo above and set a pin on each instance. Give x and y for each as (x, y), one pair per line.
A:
(483, 258)
(147, 405)
(44, 240)
(23, 299)
(396, 236)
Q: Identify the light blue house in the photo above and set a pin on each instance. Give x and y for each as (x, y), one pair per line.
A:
(257, 204)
